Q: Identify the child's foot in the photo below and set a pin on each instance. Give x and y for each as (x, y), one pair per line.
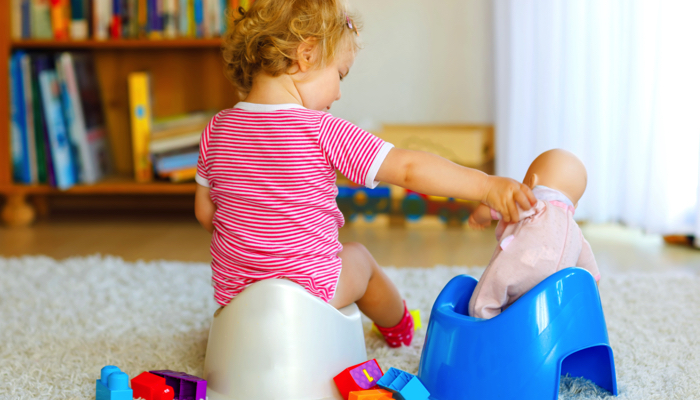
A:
(400, 334)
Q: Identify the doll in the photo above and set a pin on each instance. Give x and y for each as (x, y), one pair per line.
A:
(545, 240)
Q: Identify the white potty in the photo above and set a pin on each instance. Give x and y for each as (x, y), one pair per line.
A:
(275, 341)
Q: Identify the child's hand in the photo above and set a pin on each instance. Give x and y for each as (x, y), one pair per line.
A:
(502, 194)
(480, 218)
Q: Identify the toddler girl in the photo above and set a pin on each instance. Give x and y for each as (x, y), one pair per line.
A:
(267, 167)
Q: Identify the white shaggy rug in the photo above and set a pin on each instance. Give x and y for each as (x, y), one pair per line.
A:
(61, 321)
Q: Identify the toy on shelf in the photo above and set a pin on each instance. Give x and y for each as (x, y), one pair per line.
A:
(354, 201)
(403, 385)
(151, 387)
(357, 200)
(291, 352)
(452, 211)
(372, 394)
(359, 377)
(112, 385)
(556, 328)
(186, 387)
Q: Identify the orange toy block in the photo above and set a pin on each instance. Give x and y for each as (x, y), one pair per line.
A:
(373, 394)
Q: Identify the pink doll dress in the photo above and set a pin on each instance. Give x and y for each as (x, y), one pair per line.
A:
(545, 240)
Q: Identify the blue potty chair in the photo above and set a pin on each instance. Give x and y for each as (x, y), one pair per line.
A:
(556, 328)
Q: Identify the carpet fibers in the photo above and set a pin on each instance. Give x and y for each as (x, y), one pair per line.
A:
(61, 321)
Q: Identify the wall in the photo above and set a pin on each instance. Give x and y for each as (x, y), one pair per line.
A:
(423, 62)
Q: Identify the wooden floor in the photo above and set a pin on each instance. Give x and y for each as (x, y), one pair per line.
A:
(423, 244)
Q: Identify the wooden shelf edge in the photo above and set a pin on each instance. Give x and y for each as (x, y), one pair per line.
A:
(109, 186)
(124, 44)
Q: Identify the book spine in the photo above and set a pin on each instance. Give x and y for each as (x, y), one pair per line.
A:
(169, 22)
(190, 18)
(140, 111)
(115, 23)
(29, 117)
(41, 20)
(154, 27)
(100, 30)
(142, 17)
(19, 153)
(223, 5)
(199, 18)
(40, 136)
(78, 22)
(59, 20)
(184, 18)
(76, 118)
(16, 20)
(60, 146)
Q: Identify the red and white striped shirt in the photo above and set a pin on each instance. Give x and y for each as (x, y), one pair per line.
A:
(271, 173)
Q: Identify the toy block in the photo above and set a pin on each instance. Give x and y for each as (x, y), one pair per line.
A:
(416, 322)
(186, 386)
(359, 377)
(403, 385)
(151, 387)
(374, 394)
(112, 385)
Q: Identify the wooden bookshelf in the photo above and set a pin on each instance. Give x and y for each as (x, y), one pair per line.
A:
(186, 75)
(127, 44)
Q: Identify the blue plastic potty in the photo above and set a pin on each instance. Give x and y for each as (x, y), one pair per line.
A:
(556, 328)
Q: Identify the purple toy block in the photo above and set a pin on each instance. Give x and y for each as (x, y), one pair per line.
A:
(186, 387)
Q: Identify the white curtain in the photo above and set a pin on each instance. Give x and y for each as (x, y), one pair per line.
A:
(616, 82)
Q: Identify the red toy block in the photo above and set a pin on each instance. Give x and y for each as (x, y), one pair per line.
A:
(374, 394)
(359, 377)
(151, 387)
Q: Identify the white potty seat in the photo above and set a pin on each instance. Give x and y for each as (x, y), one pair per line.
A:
(276, 341)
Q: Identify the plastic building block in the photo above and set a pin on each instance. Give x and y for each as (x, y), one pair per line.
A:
(404, 385)
(186, 387)
(373, 394)
(112, 385)
(151, 387)
(359, 377)
(416, 322)
(557, 328)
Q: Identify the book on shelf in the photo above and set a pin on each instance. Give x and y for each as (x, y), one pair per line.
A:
(168, 163)
(140, 114)
(21, 166)
(83, 111)
(58, 134)
(116, 19)
(63, 164)
(42, 62)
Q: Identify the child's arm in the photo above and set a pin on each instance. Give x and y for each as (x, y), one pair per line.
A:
(433, 175)
(204, 208)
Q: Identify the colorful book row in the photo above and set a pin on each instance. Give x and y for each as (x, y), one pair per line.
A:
(57, 123)
(115, 19)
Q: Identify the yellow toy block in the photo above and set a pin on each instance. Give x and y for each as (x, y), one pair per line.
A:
(416, 322)
(373, 394)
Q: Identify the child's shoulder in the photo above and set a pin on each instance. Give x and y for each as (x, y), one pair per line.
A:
(263, 111)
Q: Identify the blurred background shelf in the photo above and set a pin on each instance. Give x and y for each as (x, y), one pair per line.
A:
(116, 44)
(116, 184)
(186, 76)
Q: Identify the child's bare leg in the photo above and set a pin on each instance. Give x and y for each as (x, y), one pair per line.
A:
(363, 282)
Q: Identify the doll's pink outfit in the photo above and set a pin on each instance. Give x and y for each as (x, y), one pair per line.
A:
(545, 240)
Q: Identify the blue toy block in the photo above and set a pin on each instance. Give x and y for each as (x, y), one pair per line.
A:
(556, 328)
(404, 385)
(113, 385)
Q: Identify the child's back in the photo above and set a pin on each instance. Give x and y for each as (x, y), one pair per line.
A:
(271, 173)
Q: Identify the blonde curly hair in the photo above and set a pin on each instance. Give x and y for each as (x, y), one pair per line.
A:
(266, 37)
